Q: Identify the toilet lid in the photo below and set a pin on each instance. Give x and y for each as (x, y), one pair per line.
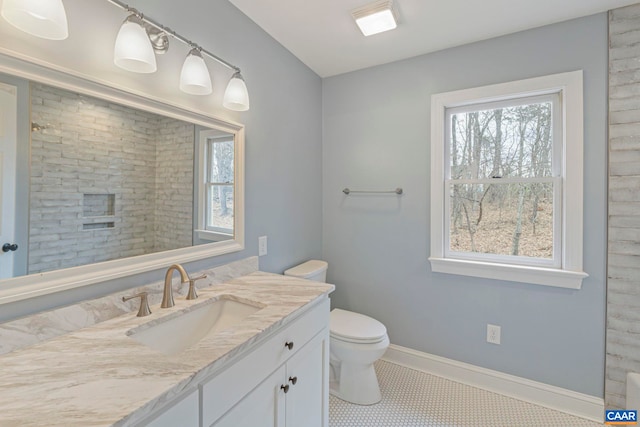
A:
(350, 326)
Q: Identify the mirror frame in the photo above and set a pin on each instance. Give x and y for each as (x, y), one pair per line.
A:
(39, 284)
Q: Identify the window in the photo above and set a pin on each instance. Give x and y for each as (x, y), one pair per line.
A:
(217, 188)
(219, 185)
(507, 181)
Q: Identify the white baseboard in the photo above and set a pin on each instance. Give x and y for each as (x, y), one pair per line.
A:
(560, 399)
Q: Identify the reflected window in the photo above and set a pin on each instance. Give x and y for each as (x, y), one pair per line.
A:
(217, 185)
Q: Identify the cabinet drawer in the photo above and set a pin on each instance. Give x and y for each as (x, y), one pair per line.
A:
(225, 389)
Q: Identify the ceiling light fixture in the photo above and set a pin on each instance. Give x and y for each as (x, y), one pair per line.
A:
(194, 77)
(41, 18)
(376, 17)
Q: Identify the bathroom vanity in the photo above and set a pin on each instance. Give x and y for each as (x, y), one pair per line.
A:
(268, 367)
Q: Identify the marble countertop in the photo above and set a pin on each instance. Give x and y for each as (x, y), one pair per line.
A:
(99, 376)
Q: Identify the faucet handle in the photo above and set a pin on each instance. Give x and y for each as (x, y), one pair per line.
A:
(191, 294)
(144, 309)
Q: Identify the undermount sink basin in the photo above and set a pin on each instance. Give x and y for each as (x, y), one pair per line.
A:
(179, 331)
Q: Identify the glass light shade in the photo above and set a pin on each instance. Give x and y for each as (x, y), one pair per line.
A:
(42, 18)
(133, 50)
(194, 77)
(236, 97)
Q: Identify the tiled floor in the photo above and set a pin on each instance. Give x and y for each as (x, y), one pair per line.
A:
(415, 399)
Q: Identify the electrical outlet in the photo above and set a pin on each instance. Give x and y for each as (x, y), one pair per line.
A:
(493, 334)
(262, 245)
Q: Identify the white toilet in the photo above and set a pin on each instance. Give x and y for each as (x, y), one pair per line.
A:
(356, 342)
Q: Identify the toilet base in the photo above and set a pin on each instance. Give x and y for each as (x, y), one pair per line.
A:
(355, 384)
(353, 377)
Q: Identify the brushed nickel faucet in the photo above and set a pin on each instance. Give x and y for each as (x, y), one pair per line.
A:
(144, 303)
(167, 295)
(192, 294)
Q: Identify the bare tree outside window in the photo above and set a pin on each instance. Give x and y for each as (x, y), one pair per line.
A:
(501, 180)
(507, 181)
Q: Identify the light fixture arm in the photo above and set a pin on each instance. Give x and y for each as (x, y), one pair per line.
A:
(173, 34)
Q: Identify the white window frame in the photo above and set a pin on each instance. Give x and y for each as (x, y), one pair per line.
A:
(565, 270)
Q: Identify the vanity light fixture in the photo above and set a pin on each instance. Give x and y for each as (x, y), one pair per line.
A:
(194, 77)
(236, 96)
(133, 50)
(41, 18)
(376, 17)
(138, 41)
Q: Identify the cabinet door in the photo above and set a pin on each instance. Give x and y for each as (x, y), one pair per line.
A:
(184, 413)
(263, 407)
(228, 386)
(307, 401)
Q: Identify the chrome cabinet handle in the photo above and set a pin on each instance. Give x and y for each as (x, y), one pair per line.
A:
(285, 388)
(289, 345)
(293, 380)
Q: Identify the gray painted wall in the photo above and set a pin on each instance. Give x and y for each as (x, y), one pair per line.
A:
(623, 294)
(283, 127)
(376, 136)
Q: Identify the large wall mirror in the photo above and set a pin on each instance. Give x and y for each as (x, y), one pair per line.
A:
(116, 184)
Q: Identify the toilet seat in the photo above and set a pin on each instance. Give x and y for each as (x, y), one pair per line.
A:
(357, 328)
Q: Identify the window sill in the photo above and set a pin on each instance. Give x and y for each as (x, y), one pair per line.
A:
(213, 236)
(514, 273)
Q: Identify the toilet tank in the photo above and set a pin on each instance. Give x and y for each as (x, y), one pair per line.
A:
(315, 270)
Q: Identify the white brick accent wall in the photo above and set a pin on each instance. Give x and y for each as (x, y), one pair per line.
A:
(90, 146)
(623, 284)
(174, 185)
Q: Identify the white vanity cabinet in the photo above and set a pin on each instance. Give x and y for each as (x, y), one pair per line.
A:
(293, 395)
(283, 383)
